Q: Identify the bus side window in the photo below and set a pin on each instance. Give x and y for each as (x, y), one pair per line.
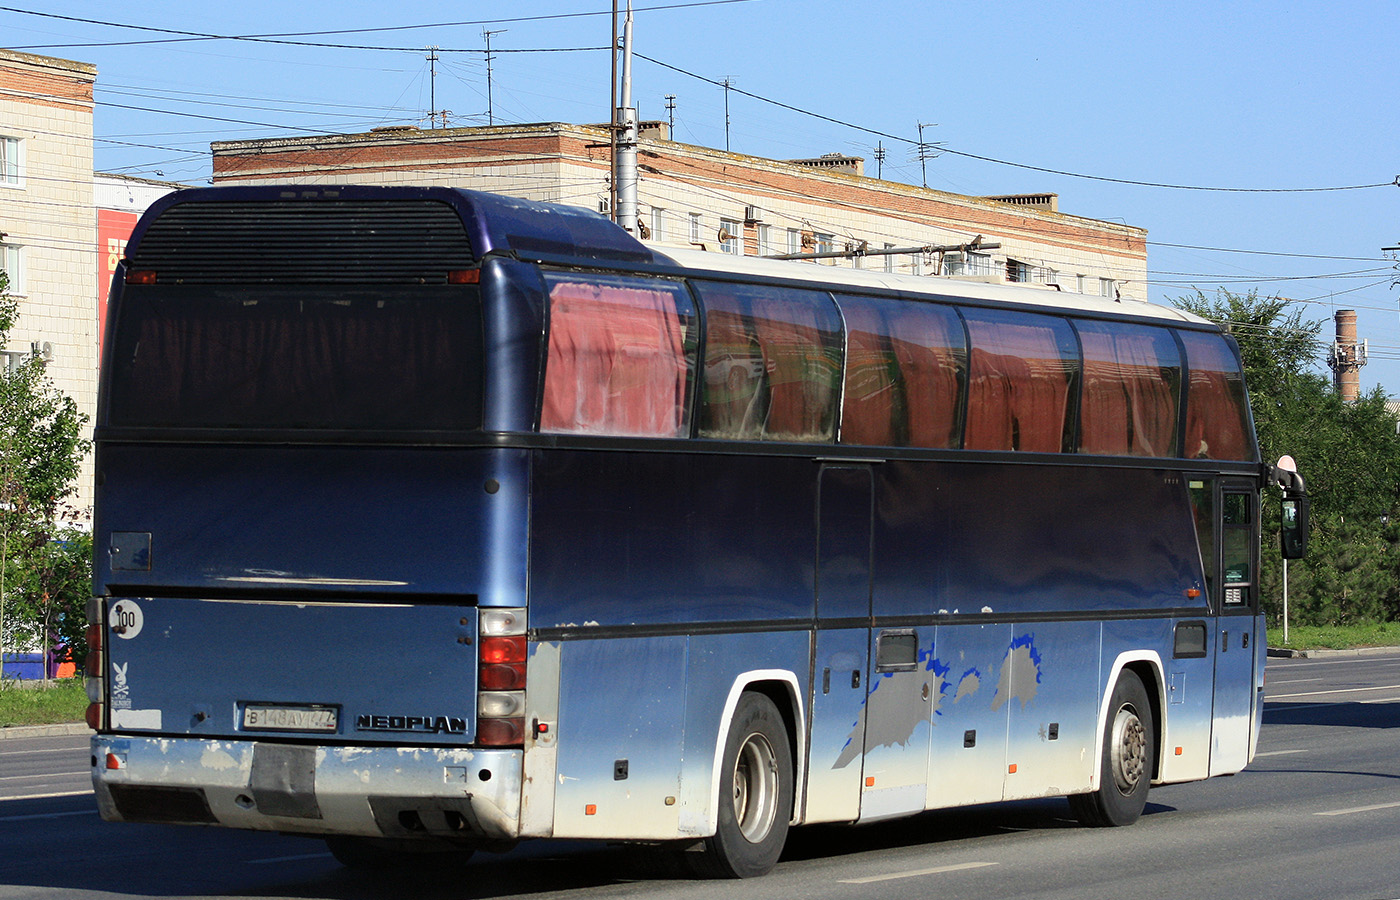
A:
(1236, 546)
(772, 363)
(1022, 386)
(620, 357)
(1132, 385)
(1203, 510)
(905, 370)
(1217, 419)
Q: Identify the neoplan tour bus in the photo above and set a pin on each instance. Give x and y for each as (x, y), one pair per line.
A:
(431, 519)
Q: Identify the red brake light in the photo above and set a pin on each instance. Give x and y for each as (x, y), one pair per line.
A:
(500, 732)
(502, 650)
(141, 276)
(464, 276)
(502, 677)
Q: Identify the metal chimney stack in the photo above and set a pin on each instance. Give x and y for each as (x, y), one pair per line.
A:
(1346, 357)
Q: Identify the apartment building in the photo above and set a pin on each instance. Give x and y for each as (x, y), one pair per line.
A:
(729, 202)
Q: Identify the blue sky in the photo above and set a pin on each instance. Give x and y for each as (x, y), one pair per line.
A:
(1265, 98)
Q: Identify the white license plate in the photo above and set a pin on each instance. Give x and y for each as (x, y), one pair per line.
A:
(291, 718)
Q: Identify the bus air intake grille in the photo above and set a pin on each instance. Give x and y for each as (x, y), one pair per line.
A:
(301, 242)
(166, 805)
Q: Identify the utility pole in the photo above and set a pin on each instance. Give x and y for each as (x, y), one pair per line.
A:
(625, 176)
(671, 115)
(612, 118)
(432, 86)
(880, 160)
(925, 152)
(727, 82)
(490, 106)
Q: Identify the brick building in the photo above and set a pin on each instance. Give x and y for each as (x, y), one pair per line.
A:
(48, 230)
(691, 195)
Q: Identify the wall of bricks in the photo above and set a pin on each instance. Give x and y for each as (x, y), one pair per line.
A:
(569, 164)
(47, 104)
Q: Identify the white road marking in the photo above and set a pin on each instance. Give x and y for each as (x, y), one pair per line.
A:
(36, 816)
(36, 752)
(45, 775)
(86, 793)
(1278, 753)
(1384, 687)
(917, 872)
(1359, 809)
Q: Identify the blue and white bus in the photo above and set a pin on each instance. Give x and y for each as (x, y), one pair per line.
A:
(429, 519)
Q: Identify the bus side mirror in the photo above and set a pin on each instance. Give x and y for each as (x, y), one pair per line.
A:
(1293, 533)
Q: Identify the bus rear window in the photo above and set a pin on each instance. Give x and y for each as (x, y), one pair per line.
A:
(1132, 382)
(905, 368)
(1217, 423)
(772, 363)
(621, 354)
(382, 358)
(1022, 382)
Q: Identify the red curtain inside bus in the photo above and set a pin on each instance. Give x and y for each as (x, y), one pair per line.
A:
(905, 367)
(1217, 418)
(1022, 373)
(617, 361)
(772, 363)
(1132, 378)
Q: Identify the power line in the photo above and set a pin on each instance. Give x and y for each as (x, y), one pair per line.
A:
(894, 137)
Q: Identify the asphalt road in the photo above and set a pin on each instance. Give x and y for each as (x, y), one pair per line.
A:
(1316, 815)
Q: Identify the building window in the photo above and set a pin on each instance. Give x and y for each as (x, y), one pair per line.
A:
(765, 240)
(1017, 271)
(1079, 284)
(967, 264)
(12, 262)
(10, 169)
(889, 258)
(658, 224)
(732, 231)
(695, 228)
(794, 241)
(1108, 288)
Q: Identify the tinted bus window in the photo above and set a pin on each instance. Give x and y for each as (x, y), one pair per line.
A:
(906, 364)
(1132, 383)
(1021, 382)
(1217, 423)
(772, 363)
(620, 357)
(341, 357)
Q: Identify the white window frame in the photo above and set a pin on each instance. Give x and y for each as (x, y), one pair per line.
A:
(658, 224)
(889, 258)
(765, 240)
(1108, 288)
(12, 261)
(735, 230)
(696, 231)
(11, 161)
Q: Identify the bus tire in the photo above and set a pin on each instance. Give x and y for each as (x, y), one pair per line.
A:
(755, 795)
(1127, 762)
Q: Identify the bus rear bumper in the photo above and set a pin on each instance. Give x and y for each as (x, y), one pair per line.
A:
(398, 792)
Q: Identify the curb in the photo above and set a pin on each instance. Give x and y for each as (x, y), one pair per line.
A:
(1282, 653)
(37, 731)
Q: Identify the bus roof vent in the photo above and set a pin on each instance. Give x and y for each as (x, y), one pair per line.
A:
(390, 241)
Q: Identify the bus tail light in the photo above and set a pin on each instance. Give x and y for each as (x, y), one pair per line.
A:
(502, 657)
(93, 666)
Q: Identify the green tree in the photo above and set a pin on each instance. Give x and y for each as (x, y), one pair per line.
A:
(1348, 453)
(41, 451)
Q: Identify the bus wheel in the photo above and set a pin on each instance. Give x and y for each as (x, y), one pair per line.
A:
(755, 795)
(1127, 763)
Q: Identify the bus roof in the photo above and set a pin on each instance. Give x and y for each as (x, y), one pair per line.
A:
(695, 261)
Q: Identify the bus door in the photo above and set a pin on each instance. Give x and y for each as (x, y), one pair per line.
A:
(1229, 511)
(841, 668)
